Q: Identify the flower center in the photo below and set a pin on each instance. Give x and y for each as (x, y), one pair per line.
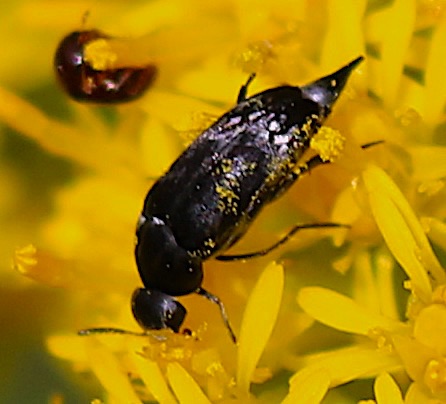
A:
(435, 376)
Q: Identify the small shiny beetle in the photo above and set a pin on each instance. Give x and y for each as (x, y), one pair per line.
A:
(211, 194)
(84, 83)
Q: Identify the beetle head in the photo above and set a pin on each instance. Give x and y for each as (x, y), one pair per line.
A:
(154, 310)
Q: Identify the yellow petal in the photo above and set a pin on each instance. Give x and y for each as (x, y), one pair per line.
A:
(435, 88)
(430, 327)
(365, 290)
(345, 18)
(386, 284)
(436, 230)
(159, 147)
(208, 365)
(429, 162)
(310, 386)
(152, 377)
(387, 391)
(402, 231)
(346, 364)
(414, 356)
(70, 348)
(345, 210)
(109, 372)
(164, 105)
(340, 312)
(376, 290)
(76, 144)
(184, 386)
(258, 321)
(416, 394)
(399, 29)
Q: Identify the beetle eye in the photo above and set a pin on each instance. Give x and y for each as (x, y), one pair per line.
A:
(154, 310)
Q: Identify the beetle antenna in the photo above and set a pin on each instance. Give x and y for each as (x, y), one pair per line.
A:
(111, 330)
(217, 301)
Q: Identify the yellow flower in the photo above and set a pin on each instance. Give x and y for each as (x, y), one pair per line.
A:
(416, 345)
(83, 240)
(112, 361)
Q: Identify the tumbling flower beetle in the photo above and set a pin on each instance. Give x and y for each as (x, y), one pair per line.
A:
(211, 194)
(84, 83)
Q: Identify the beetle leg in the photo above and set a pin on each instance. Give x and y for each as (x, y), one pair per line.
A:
(244, 88)
(283, 240)
(371, 144)
(217, 301)
(314, 162)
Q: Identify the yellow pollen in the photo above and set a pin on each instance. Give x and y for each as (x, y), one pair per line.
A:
(209, 243)
(306, 127)
(99, 54)
(226, 165)
(207, 362)
(214, 368)
(382, 340)
(256, 55)
(435, 375)
(24, 258)
(194, 125)
(328, 143)
(227, 200)
(174, 349)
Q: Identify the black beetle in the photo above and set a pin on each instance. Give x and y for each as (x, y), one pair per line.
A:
(84, 83)
(211, 194)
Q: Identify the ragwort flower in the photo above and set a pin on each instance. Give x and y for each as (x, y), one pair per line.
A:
(85, 245)
(416, 345)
